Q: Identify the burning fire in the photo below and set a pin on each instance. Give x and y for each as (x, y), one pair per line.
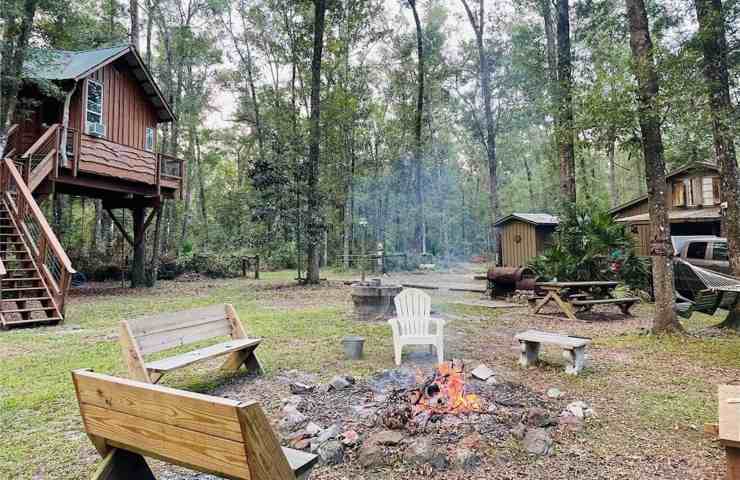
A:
(444, 392)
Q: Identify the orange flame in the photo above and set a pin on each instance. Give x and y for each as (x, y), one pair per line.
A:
(446, 394)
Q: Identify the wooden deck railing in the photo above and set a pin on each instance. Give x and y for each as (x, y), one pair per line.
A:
(10, 142)
(171, 169)
(48, 255)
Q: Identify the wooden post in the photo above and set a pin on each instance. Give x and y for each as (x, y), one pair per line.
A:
(138, 273)
(257, 267)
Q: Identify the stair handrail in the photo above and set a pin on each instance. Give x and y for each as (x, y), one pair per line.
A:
(24, 206)
(9, 140)
(41, 141)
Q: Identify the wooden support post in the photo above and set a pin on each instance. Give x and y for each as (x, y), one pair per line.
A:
(123, 465)
(138, 272)
(257, 267)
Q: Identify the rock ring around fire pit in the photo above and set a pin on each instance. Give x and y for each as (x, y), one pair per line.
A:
(373, 302)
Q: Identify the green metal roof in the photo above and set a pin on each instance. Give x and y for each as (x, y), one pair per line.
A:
(66, 65)
(50, 64)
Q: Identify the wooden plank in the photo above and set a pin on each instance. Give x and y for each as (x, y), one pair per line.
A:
(553, 338)
(172, 338)
(605, 301)
(191, 411)
(733, 462)
(173, 444)
(152, 323)
(179, 361)
(729, 413)
(132, 355)
(261, 446)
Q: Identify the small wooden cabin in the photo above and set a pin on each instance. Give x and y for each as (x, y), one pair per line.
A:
(86, 124)
(694, 196)
(523, 236)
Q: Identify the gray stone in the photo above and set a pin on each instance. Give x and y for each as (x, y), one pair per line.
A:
(293, 400)
(323, 437)
(340, 382)
(482, 372)
(313, 429)
(331, 453)
(580, 409)
(371, 455)
(298, 388)
(554, 393)
(291, 421)
(420, 451)
(570, 421)
(386, 437)
(538, 417)
(492, 381)
(538, 442)
(466, 459)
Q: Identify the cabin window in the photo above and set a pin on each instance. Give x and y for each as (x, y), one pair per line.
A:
(679, 194)
(693, 192)
(94, 102)
(697, 250)
(149, 142)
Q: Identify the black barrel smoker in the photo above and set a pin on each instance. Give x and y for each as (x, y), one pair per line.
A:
(504, 281)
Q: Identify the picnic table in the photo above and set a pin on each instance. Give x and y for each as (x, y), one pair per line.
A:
(571, 297)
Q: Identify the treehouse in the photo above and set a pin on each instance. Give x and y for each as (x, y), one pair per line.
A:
(86, 124)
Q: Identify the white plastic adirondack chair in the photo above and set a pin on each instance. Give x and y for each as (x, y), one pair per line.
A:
(413, 323)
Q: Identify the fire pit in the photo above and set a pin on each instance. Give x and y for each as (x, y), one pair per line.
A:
(441, 393)
(373, 301)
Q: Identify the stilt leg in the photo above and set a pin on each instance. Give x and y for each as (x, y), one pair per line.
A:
(530, 352)
(576, 359)
(244, 357)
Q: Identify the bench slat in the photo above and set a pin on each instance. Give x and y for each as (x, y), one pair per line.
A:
(151, 438)
(196, 332)
(143, 325)
(552, 338)
(606, 301)
(191, 411)
(179, 361)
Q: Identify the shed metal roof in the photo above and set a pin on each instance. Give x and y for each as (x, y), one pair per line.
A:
(533, 218)
(68, 65)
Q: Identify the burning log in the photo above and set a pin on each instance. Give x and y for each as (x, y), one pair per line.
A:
(441, 393)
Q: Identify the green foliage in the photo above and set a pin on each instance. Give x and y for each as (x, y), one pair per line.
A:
(590, 245)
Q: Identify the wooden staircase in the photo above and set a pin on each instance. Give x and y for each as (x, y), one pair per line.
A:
(35, 272)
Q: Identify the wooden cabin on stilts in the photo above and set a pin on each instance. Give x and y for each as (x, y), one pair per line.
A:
(86, 125)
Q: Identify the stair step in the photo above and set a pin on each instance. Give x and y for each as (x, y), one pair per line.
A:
(20, 269)
(24, 310)
(10, 322)
(19, 279)
(22, 289)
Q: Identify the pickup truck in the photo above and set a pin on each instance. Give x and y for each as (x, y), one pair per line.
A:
(703, 251)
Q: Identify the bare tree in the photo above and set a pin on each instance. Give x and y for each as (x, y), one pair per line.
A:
(652, 147)
(420, 243)
(314, 224)
(714, 44)
(489, 142)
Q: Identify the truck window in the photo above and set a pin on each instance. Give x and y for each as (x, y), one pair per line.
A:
(697, 250)
(719, 251)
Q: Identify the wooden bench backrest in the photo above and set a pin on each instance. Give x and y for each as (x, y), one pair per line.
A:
(168, 330)
(209, 434)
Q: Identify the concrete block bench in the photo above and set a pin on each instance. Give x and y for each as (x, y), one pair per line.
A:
(574, 349)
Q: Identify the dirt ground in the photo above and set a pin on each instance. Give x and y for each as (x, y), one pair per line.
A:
(651, 395)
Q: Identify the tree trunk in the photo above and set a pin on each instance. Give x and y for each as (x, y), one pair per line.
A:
(420, 227)
(484, 70)
(314, 222)
(714, 44)
(15, 45)
(201, 189)
(652, 146)
(349, 215)
(610, 149)
(154, 262)
(149, 27)
(134, 12)
(138, 272)
(564, 127)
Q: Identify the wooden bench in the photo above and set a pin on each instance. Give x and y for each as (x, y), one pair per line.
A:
(128, 420)
(729, 427)
(574, 349)
(624, 304)
(147, 335)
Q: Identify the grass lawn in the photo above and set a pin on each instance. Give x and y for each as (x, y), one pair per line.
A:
(652, 394)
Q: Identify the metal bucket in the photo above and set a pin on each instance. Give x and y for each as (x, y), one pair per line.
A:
(353, 346)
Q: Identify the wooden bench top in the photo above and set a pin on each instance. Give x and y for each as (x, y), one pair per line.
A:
(209, 434)
(553, 338)
(188, 358)
(606, 301)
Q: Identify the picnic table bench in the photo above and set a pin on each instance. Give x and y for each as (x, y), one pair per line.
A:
(147, 335)
(127, 420)
(573, 297)
(574, 348)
